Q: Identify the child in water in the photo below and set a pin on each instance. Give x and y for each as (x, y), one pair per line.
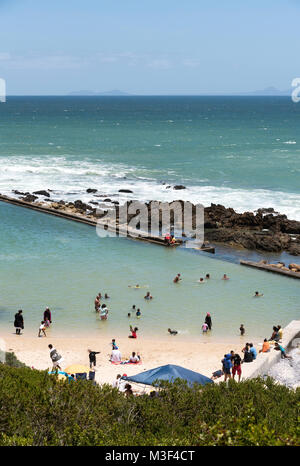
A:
(133, 332)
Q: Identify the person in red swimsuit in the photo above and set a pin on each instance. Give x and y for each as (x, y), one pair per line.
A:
(133, 332)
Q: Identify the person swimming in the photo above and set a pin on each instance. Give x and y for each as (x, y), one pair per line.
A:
(201, 280)
(257, 294)
(177, 278)
(172, 332)
(148, 295)
(138, 313)
(225, 277)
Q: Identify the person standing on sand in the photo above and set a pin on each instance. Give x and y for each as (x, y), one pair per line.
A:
(92, 357)
(208, 321)
(19, 322)
(227, 365)
(237, 369)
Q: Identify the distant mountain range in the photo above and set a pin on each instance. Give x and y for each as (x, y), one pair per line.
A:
(269, 91)
(87, 93)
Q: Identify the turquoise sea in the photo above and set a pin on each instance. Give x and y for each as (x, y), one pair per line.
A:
(241, 152)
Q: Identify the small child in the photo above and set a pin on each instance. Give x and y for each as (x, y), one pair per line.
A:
(204, 327)
(114, 344)
(133, 332)
(42, 329)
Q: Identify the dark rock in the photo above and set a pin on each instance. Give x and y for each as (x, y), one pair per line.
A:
(91, 190)
(107, 200)
(29, 198)
(179, 186)
(42, 193)
(19, 193)
(125, 191)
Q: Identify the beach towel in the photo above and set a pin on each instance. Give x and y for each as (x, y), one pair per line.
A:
(125, 362)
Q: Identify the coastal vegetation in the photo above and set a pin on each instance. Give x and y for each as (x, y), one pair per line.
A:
(38, 409)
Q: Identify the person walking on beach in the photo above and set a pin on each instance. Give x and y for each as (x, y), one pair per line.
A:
(177, 278)
(47, 315)
(208, 321)
(55, 358)
(92, 357)
(19, 322)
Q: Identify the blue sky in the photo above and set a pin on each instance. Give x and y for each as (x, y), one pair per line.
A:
(148, 46)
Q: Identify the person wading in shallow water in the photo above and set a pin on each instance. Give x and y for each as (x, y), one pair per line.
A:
(208, 321)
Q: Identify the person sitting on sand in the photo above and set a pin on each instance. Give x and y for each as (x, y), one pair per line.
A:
(257, 294)
(265, 347)
(133, 332)
(225, 277)
(134, 359)
(172, 332)
(248, 356)
(280, 348)
(148, 295)
(242, 329)
(280, 332)
(217, 374)
(128, 390)
(115, 356)
(275, 334)
(42, 329)
(177, 278)
(252, 350)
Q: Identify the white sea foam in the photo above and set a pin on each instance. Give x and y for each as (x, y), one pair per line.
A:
(69, 180)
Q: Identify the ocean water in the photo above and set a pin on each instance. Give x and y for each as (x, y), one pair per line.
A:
(238, 151)
(48, 261)
(242, 152)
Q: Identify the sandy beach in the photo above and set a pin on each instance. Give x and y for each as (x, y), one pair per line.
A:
(203, 357)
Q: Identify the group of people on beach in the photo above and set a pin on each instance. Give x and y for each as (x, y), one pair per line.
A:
(231, 363)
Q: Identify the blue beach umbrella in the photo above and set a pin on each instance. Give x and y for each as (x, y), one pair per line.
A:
(168, 373)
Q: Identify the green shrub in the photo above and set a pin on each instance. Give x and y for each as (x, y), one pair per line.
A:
(37, 409)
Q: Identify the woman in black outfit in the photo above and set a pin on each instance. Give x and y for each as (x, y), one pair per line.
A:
(19, 322)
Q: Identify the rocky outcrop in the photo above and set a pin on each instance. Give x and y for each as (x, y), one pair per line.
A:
(42, 193)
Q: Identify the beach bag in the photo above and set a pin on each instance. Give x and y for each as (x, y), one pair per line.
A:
(55, 356)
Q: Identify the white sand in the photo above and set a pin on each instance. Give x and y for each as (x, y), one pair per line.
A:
(200, 356)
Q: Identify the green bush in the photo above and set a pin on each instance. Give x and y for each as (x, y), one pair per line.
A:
(38, 409)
